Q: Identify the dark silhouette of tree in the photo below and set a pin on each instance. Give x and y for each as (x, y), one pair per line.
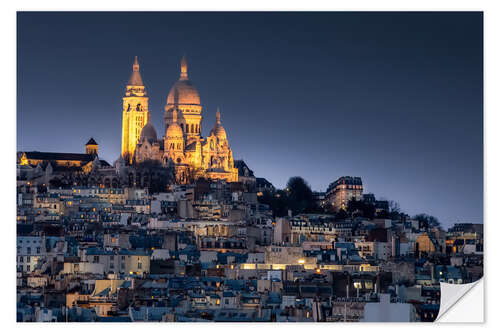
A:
(155, 176)
(300, 197)
(56, 183)
(297, 197)
(277, 202)
(341, 214)
(427, 221)
(360, 208)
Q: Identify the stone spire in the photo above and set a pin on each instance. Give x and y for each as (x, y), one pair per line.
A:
(135, 67)
(135, 78)
(217, 116)
(184, 69)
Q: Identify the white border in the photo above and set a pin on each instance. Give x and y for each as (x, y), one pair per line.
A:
(8, 136)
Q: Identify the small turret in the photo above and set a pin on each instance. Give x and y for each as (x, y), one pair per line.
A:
(218, 129)
(91, 147)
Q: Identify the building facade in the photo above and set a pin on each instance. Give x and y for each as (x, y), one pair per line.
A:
(183, 146)
(341, 191)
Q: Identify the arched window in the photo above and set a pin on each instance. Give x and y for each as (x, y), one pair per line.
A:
(197, 130)
(182, 127)
(192, 128)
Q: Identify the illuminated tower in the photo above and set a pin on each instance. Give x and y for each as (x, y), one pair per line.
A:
(184, 98)
(135, 112)
(91, 147)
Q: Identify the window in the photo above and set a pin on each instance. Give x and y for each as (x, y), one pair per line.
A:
(38, 250)
(28, 250)
(21, 259)
(139, 265)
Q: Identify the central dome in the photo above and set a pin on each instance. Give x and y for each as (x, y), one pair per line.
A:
(183, 92)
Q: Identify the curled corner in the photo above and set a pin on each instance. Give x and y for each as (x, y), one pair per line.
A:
(461, 303)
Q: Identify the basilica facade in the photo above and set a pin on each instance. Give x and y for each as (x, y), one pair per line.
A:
(182, 147)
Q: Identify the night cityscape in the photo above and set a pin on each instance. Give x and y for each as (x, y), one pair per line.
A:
(247, 167)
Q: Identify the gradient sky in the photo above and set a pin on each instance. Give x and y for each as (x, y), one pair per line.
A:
(395, 98)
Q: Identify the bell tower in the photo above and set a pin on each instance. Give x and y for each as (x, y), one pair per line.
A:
(91, 147)
(135, 112)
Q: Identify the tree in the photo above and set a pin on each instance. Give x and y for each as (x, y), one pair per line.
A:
(341, 214)
(360, 208)
(427, 221)
(297, 197)
(277, 202)
(300, 197)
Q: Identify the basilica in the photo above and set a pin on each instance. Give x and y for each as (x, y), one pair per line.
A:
(182, 147)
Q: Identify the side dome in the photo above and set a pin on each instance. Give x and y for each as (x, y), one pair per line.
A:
(174, 130)
(218, 130)
(148, 133)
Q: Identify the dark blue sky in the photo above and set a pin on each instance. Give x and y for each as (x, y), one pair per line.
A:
(395, 98)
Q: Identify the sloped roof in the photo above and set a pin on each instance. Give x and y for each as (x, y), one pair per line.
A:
(263, 182)
(49, 156)
(135, 78)
(241, 166)
(91, 142)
